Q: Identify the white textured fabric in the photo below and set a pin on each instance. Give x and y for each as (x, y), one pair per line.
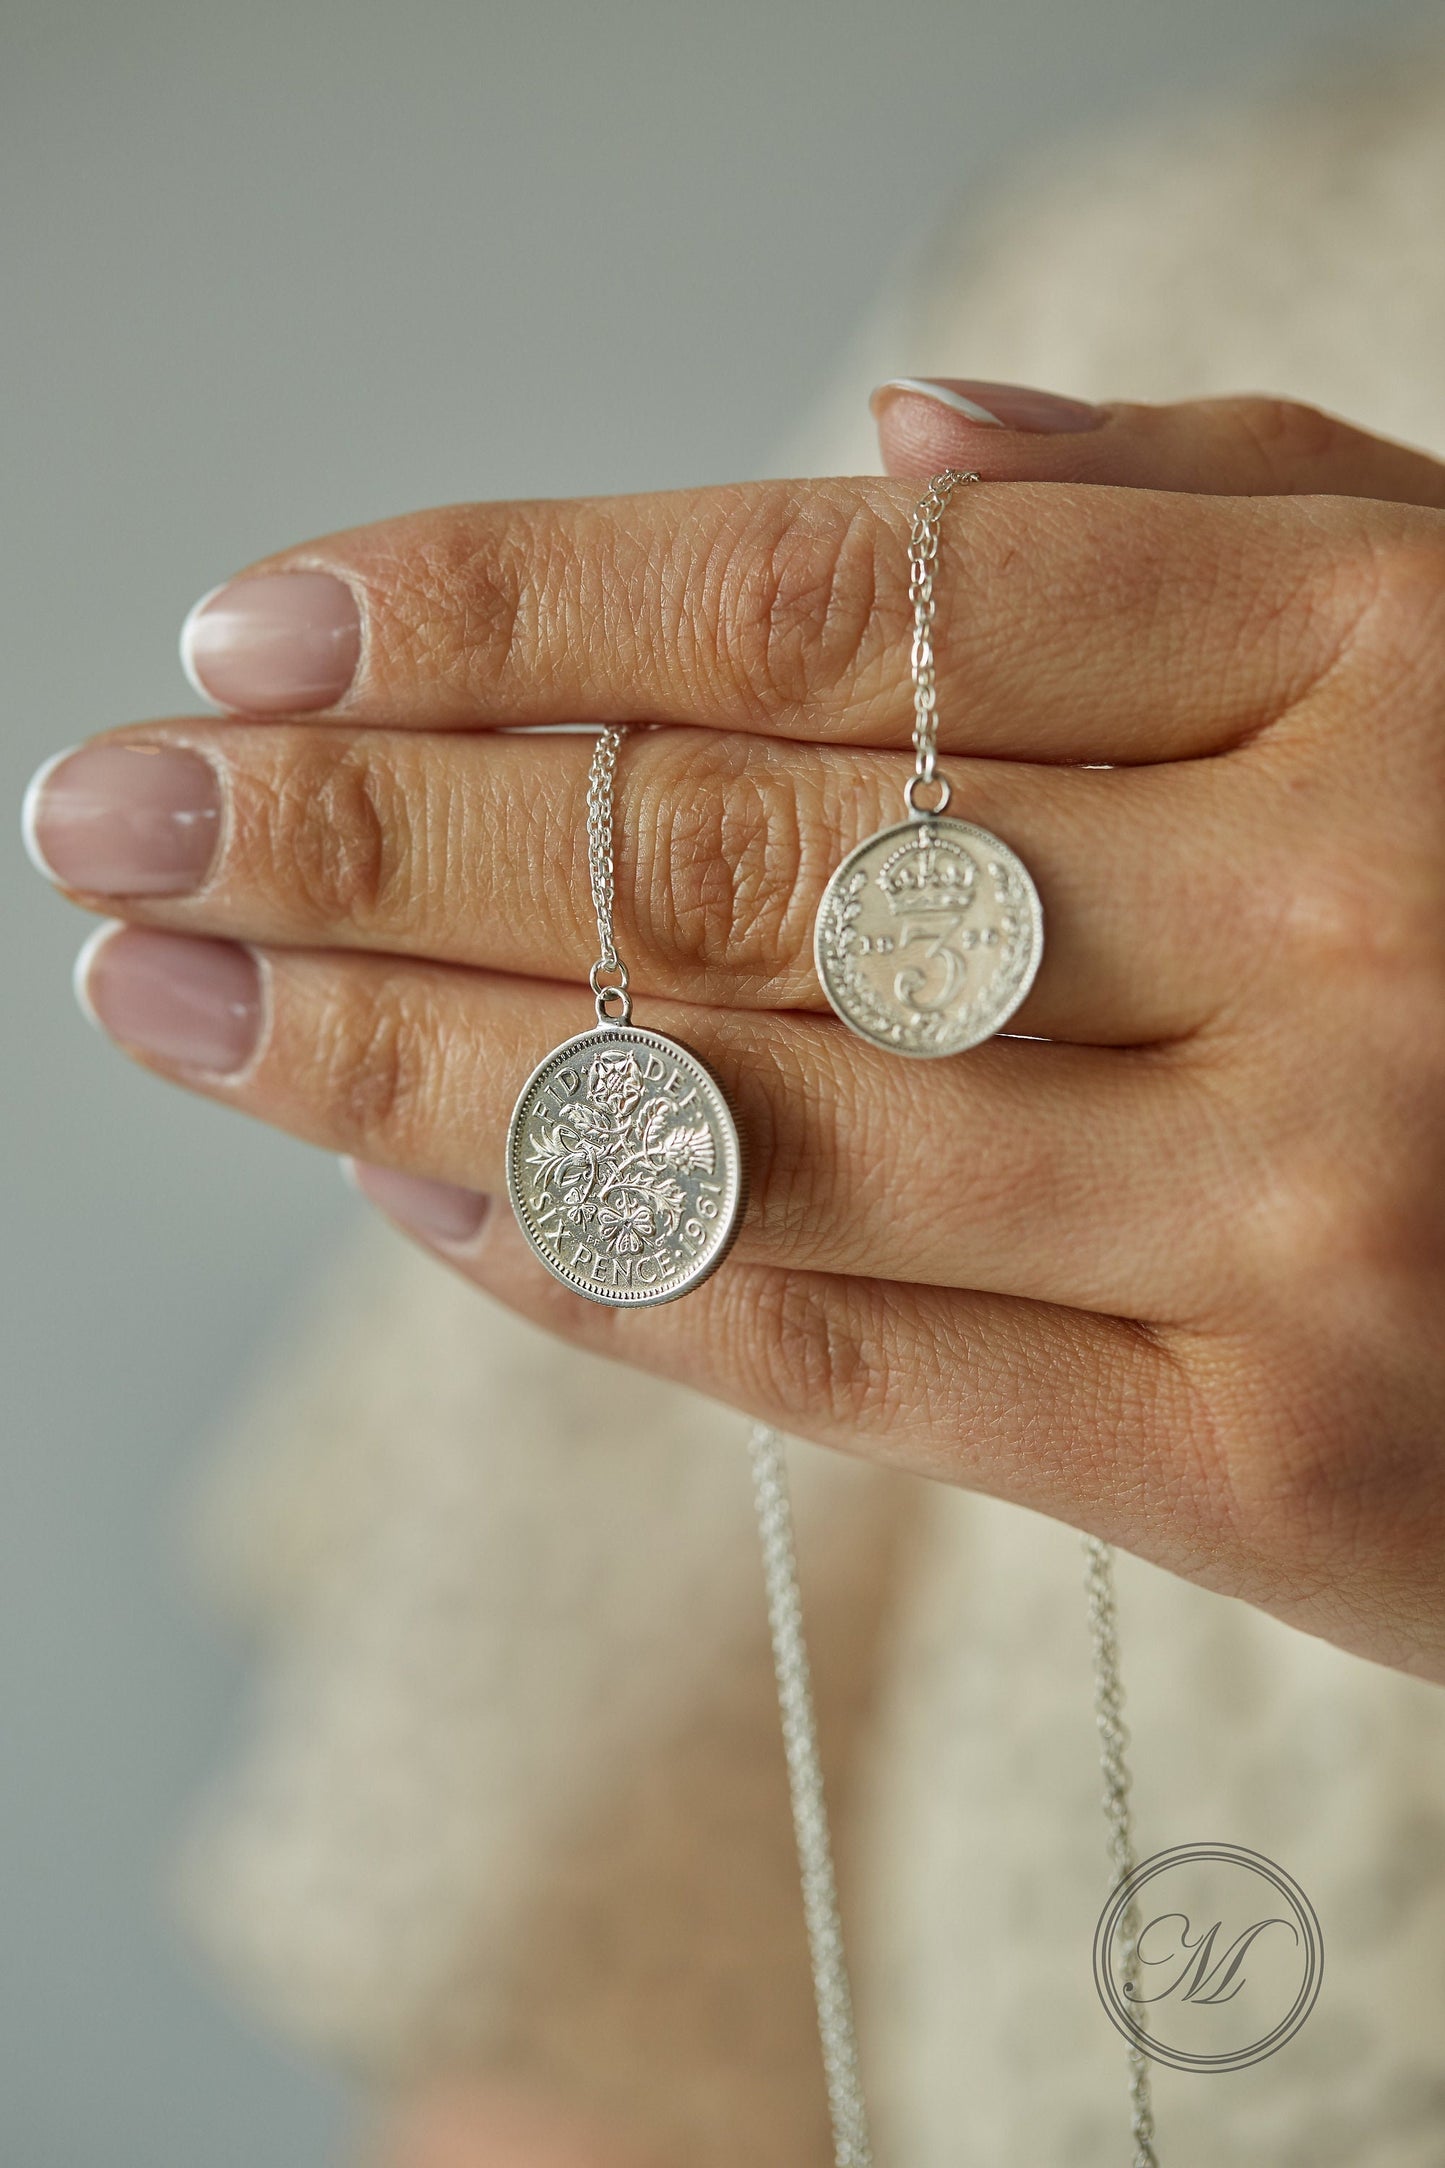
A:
(513, 1794)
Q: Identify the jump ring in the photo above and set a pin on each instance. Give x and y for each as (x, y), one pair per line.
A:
(922, 782)
(616, 985)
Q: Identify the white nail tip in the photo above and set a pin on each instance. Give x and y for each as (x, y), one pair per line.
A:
(30, 812)
(940, 394)
(85, 964)
(187, 640)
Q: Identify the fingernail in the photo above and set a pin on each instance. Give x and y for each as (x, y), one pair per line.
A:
(437, 1211)
(996, 406)
(124, 820)
(278, 643)
(196, 1004)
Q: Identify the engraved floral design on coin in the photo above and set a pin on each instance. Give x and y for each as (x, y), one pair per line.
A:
(625, 1167)
(929, 937)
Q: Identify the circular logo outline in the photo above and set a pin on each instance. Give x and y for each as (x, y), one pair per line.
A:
(1311, 1934)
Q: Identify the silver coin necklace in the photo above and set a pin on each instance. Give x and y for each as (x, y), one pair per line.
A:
(930, 933)
(928, 939)
(624, 1164)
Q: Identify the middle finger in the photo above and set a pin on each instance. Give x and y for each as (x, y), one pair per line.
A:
(472, 850)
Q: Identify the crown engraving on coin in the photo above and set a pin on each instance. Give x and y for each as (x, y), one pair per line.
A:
(929, 936)
(928, 873)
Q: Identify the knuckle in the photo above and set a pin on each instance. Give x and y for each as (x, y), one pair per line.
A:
(817, 1345)
(376, 1062)
(469, 598)
(1390, 597)
(1410, 600)
(827, 1174)
(808, 596)
(1372, 918)
(784, 1107)
(718, 894)
(1319, 1488)
(1287, 434)
(1344, 1232)
(335, 836)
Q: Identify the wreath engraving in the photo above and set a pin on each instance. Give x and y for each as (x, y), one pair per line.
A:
(846, 952)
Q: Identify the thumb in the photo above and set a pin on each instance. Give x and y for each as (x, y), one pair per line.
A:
(1251, 446)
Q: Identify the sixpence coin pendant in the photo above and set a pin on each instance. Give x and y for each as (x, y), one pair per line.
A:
(931, 932)
(624, 1164)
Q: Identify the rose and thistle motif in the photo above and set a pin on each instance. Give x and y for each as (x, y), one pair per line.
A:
(611, 1160)
(627, 1164)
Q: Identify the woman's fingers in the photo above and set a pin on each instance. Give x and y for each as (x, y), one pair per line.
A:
(972, 1389)
(1074, 624)
(471, 849)
(1046, 1171)
(1240, 447)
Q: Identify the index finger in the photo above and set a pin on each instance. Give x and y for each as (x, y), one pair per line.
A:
(1074, 622)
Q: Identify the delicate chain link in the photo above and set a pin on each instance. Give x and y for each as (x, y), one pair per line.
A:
(836, 2031)
(922, 557)
(614, 1003)
(1114, 1766)
(851, 2148)
(599, 839)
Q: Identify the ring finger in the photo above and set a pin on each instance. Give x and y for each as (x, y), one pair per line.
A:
(1029, 1170)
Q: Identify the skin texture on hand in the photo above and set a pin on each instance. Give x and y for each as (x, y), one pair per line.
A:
(1170, 1266)
(471, 2123)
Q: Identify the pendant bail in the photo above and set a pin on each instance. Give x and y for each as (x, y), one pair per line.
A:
(611, 993)
(921, 781)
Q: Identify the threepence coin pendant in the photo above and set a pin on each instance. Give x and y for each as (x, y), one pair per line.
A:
(930, 933)
(624, 1164)
(929, 936)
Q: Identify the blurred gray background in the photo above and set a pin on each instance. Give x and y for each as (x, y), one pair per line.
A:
(267, 271)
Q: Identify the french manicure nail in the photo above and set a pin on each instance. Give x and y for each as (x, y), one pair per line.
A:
(436, 1211)
(124, 820)
(997, 406)
(278, 643)
(195, 1004)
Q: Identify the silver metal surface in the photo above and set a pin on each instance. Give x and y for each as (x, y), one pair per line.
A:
(613, 1000)
(1114, 1766)
(851, 2148)
(929, 936)
(923, 542)
(832, 1992)
(624, 1166)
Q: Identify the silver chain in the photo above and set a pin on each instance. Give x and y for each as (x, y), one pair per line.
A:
(923, 540)
(608, 976)
(1114, 1767)
(836, 2030)
(851, 2148)
(821, 1913)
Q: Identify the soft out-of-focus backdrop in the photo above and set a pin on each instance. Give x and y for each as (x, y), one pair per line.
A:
(266, 271)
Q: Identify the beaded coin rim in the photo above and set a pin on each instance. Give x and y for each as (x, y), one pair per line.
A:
(983, 838)
(613, 1034)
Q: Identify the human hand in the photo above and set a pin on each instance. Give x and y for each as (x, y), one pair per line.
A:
(479, 2123)
(1174, 1275)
